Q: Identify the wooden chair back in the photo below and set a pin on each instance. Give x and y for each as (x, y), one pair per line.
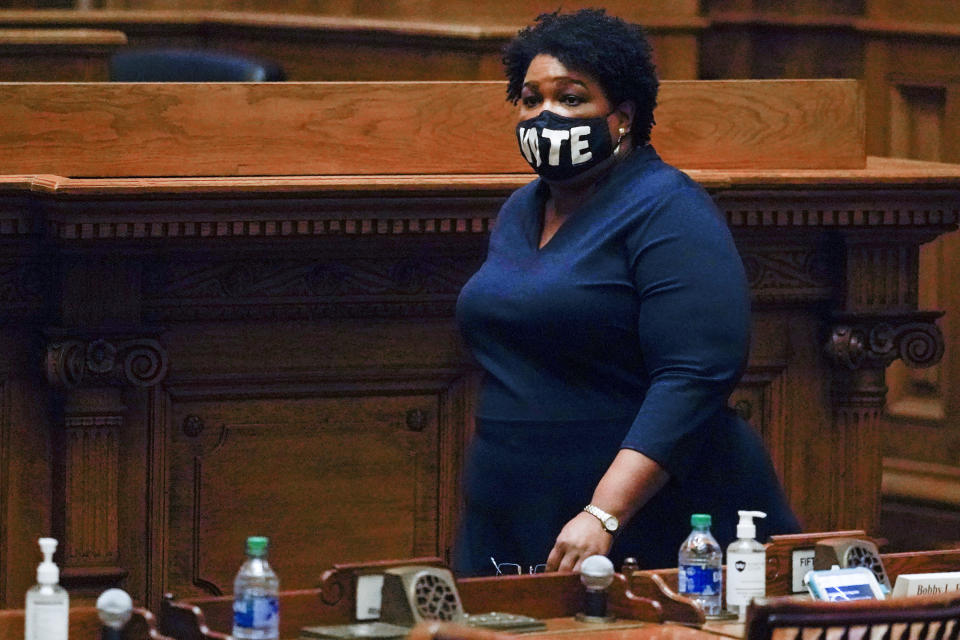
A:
(921, 618)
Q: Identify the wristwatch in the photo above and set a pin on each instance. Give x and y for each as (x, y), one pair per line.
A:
(609, 522)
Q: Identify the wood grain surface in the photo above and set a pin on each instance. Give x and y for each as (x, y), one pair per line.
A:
(49, 37)
(238, 129)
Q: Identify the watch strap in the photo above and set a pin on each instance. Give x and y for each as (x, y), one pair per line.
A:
(604, 518)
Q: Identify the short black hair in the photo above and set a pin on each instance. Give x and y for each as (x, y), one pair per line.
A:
(615, 52)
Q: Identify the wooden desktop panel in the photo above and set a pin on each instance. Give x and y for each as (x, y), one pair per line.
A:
(57, 55)
(115, 130)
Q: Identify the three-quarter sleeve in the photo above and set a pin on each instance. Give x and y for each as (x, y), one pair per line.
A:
(693, 323)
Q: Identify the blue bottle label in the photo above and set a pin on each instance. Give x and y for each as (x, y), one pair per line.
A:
(701, 580)
(256, 612)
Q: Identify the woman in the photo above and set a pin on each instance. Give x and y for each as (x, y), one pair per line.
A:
(611, 317)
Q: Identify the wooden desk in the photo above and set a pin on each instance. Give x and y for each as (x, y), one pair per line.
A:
(641, 611)
(552, 598)
(660, 585)
(57, 55)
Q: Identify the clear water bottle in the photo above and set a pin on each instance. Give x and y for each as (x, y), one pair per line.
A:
(700, 575)
(256, 607)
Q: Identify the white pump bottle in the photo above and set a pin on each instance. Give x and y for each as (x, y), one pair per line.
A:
(746, 565)
(48, 604)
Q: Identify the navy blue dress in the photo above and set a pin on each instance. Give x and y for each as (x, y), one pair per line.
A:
(628, 329)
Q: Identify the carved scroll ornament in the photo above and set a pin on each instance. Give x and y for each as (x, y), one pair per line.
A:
(139, 362)
(875, 340)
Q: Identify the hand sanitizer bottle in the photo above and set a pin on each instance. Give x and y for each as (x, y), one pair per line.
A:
(48, 604)
(746, 565)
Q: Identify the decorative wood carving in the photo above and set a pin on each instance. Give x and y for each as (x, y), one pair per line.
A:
(91, 490)
(861, 345)
(410, 286)
(92, 424)
(91, 373)
(863, 340)
(140, 362)
(788, 274)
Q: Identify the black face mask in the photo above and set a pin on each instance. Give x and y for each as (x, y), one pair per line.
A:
(560, 148)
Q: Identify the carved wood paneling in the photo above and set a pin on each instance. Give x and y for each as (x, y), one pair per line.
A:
(4, 482)
(158, 497)
(270, 288)
(92, 491)
(90, 374)
(760, 400)
(330, 472)
(857, 445)
(881, 277)
(789, 274)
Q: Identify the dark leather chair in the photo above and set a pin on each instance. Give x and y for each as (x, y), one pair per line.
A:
(191, 65)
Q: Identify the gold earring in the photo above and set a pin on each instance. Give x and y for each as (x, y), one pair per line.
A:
(623, 132)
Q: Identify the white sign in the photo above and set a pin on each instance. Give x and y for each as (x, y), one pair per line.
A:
(368, 596)
(923, 584)
(802, 562)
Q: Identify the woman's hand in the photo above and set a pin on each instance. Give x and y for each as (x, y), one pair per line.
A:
(626, 486)
(580, 538)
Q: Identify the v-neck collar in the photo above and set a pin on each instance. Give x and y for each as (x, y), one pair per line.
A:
(540, 193)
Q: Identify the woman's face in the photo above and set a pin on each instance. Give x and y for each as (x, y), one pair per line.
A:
(549, 85)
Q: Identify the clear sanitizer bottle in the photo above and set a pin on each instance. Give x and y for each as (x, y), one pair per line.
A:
(256, 606)
(700, 575)
(746, 565)
(48, 604)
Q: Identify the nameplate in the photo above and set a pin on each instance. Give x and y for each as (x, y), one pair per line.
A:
(801, 563)
(926, 584)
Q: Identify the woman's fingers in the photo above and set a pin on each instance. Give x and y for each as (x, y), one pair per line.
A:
(580, 538)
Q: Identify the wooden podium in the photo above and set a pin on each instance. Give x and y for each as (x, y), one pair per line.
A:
(227, 310)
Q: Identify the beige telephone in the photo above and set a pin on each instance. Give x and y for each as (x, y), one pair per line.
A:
(413, 594)
(850, 552)
(416, 593)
